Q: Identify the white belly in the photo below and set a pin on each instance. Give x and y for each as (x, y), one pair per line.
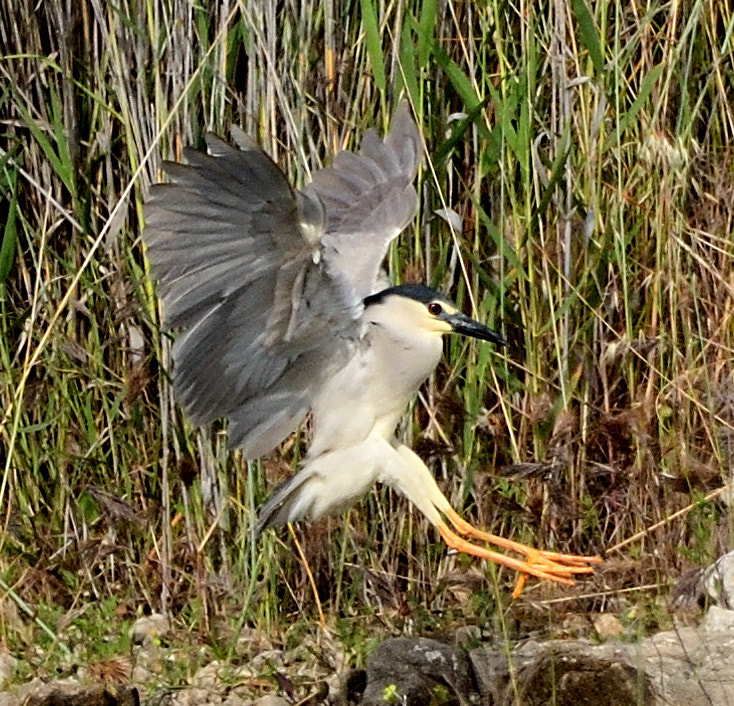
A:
(370, 394)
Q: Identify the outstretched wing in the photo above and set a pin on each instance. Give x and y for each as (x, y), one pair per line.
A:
(369, 198)
(236, 255)
(266, 283)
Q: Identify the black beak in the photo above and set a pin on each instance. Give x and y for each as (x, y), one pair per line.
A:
(461, 323)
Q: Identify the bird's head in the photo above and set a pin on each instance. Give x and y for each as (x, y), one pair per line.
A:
(418, 308)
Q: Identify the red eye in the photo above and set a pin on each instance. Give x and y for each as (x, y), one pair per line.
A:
(434, 308)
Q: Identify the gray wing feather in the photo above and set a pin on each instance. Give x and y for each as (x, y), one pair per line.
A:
(369, 199)
(264, 321)
(266, 283)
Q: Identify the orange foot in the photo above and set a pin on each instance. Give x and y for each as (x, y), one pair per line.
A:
(551, 566)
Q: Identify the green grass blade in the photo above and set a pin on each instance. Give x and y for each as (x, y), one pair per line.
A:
(427, 24)
(58, 163)
(648, 83)
(588, 34)
(408, 69)
(374, 44)
(10, 236)
(458, 79)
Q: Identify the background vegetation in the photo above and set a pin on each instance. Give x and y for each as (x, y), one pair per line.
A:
(583, 154)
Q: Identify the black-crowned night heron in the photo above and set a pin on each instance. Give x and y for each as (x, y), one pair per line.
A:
(279, 298)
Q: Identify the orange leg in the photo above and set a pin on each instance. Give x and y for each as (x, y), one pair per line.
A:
(551, 566)
(409, 474)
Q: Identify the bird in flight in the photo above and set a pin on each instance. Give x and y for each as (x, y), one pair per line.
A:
(280, 302)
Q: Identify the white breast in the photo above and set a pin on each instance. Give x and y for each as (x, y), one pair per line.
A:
(369, 395)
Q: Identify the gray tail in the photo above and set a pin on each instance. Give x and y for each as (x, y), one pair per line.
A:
(287, 504)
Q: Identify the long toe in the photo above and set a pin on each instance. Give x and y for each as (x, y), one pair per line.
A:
(564, 564)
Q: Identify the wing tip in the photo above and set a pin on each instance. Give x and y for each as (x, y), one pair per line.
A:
(404, 138)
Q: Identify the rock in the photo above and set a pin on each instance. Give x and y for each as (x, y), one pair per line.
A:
(718, 581)
(418, 671)
(718, 621)
(270, 701)
(265, 660)
(713, 585)
(29, 688)
(209, 676)
(8, 667)
(559, 672)
(66, 694)
(567, 677)
(149, 628)
(150, 652)
(684, 666)
(337, 687)
(468, 636)
(196, 696)
(608, 625)
(693, 665)
(235, 700)
(491, 674)
(142, 675)
(573, 625)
